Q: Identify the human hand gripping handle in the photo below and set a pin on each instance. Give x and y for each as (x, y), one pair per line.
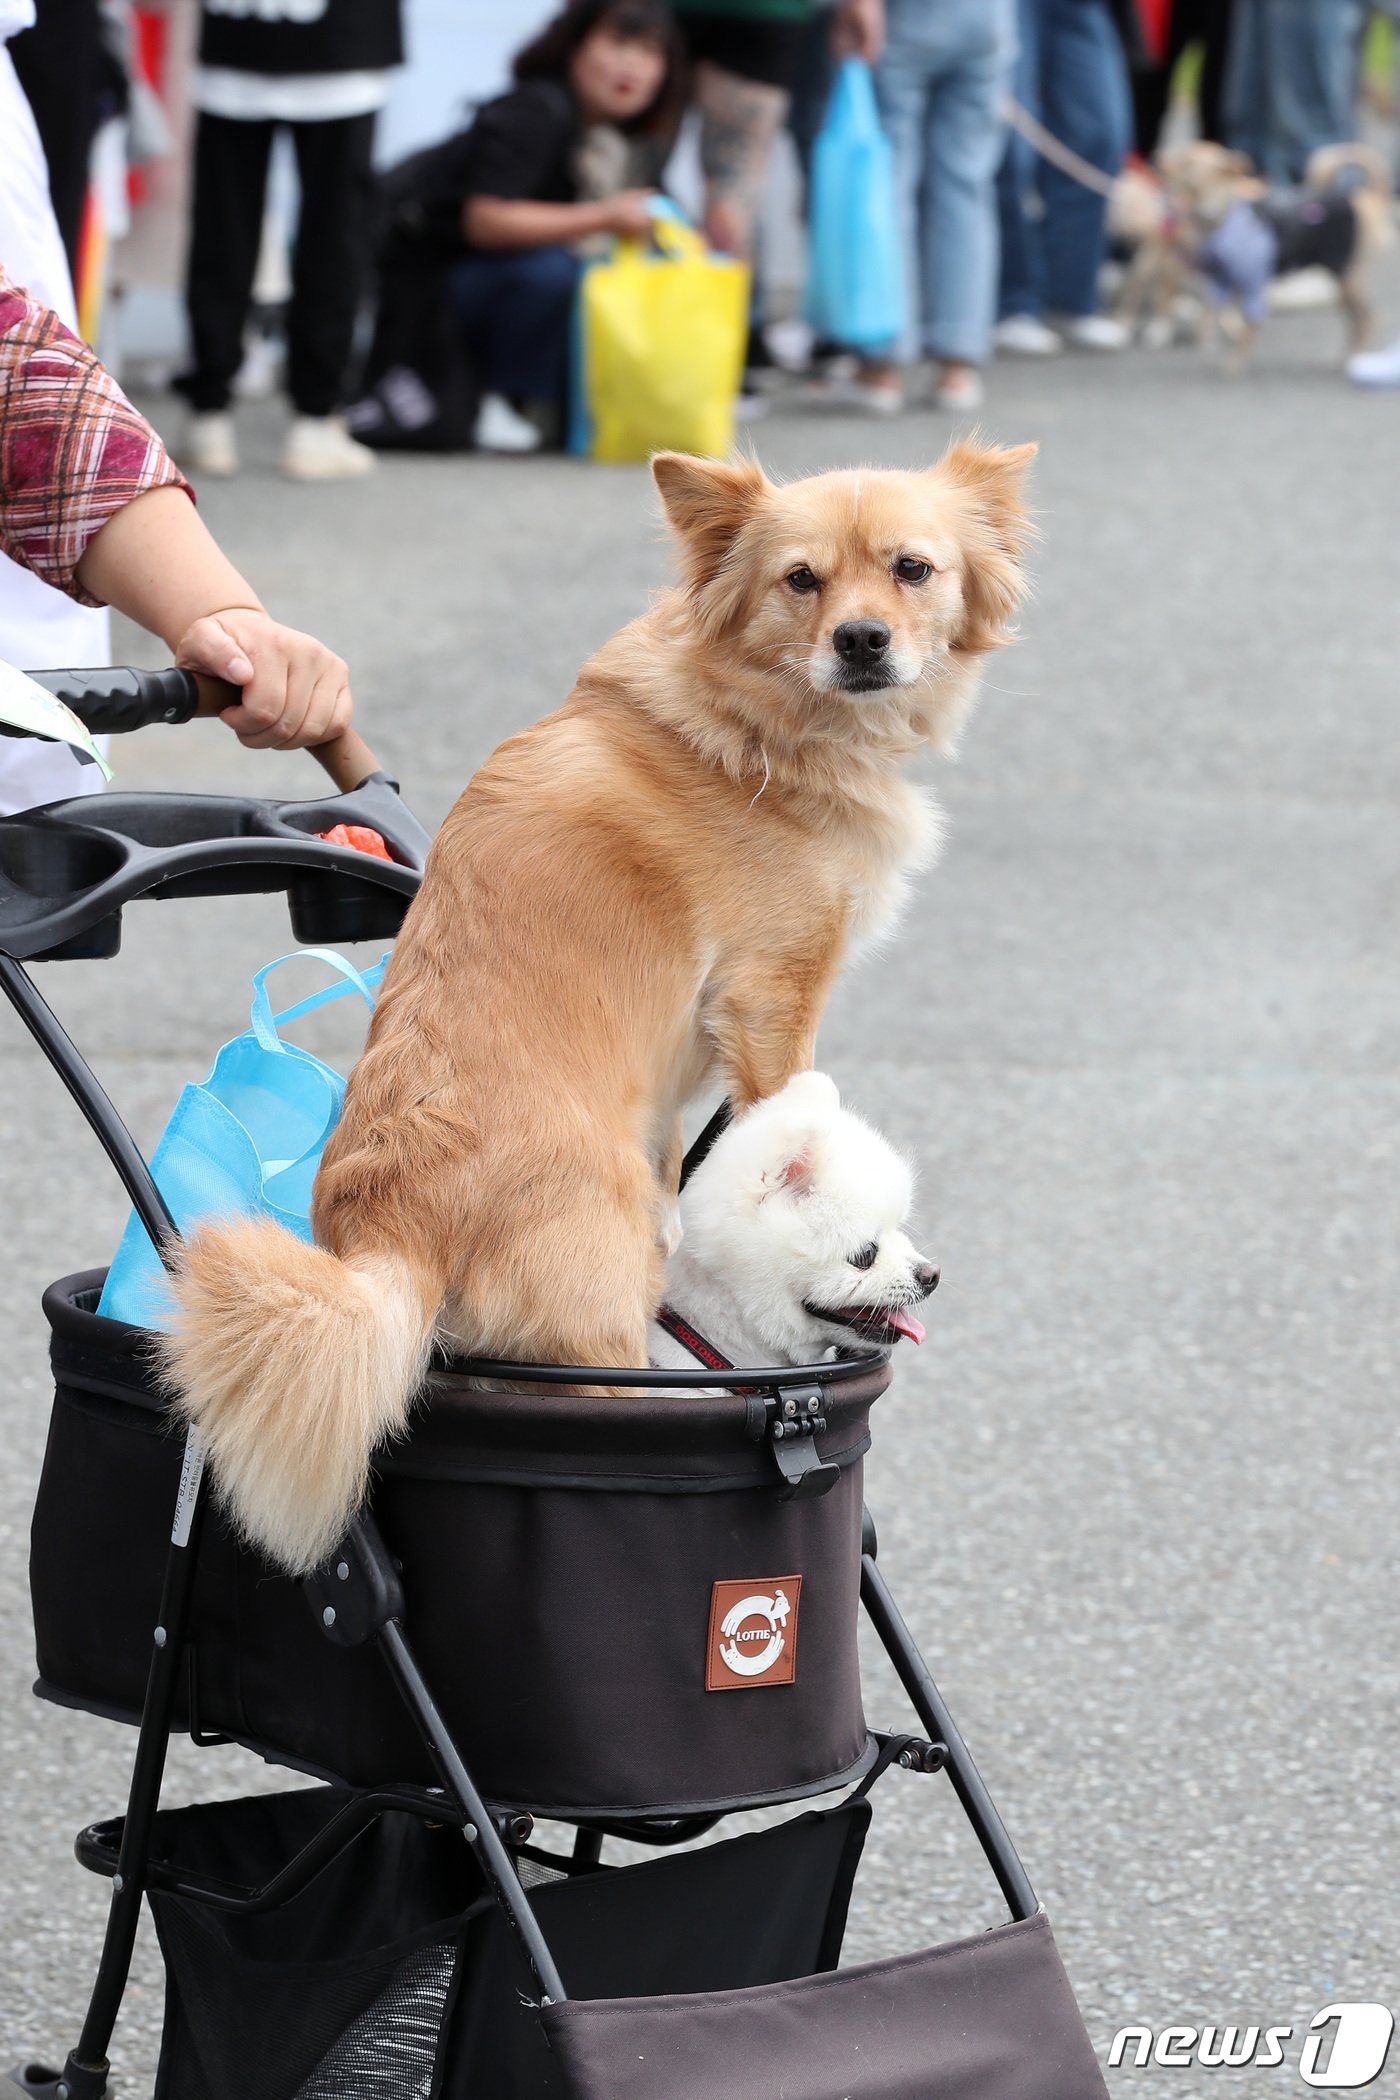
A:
(276, 689)
(345, 755)
(154, 560)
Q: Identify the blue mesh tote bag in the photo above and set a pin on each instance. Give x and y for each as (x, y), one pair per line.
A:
(246, 1140)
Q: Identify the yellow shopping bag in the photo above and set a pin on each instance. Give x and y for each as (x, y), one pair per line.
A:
(659, 347)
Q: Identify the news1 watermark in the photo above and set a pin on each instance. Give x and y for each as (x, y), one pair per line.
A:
(1343, 2048)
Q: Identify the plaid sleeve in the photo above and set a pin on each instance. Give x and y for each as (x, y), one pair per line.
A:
(73, 450)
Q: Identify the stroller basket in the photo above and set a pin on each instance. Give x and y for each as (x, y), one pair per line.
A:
(572, 1568)
(708, 1974)
(393, 1973)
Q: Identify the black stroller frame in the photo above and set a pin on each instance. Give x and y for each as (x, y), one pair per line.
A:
(141, 845)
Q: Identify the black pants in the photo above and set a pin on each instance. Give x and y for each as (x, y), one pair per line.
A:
(1208, 21)
(66, 76)
(328, 261)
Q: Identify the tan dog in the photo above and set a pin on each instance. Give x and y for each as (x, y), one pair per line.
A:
(650, 890)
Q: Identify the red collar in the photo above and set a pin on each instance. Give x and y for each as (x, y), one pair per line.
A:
(691, 1340)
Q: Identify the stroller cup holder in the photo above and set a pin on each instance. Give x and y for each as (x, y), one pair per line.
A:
(66, 871)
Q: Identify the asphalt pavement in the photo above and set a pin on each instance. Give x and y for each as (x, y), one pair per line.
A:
(1141, 1030)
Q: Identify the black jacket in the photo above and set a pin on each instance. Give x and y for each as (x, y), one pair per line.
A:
(301, 36)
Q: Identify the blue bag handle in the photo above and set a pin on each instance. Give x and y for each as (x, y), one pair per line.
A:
(853, 99)
(265, 1023)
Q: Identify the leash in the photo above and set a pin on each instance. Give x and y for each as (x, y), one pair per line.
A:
(705, 1143)
(1055, 150)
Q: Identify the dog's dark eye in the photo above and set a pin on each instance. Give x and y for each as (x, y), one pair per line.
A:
(866, 1257)
(802, 579)
(911, 570)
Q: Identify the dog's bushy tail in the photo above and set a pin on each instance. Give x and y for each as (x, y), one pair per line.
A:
(293, 1365)
(1329, 162)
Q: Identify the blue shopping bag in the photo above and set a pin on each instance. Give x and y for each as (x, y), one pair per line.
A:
(247, 1140)
(855, 261)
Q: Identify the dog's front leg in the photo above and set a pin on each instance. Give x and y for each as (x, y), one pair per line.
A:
(764, 1023)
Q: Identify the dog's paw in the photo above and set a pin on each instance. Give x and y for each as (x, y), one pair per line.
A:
(670, 1231)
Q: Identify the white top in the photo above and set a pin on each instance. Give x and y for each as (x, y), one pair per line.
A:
(14, 16)
(286, 98)
(39, 626)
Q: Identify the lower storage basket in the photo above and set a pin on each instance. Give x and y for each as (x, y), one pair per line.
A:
(615, 1610)
(701, 1975)
(394, 1976)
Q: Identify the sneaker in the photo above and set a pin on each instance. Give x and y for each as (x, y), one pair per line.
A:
(791, 344)
(1094, 332)
(320, 448)
(1376, 367)
(960, 392)
(1022, 335)
(501, 428)
(208, 445)
(884, 397)
(1307, 291)
(260, 374)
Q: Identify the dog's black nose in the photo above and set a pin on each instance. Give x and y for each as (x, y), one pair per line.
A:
(926, 1277)
(861, 641)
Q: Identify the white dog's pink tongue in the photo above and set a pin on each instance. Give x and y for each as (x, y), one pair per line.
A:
(904, 1323)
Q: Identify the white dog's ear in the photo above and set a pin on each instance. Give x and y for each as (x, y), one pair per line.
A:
(792, 1178)
(813, 1091)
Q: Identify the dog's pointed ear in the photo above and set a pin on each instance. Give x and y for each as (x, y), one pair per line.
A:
(814, 1092)
(792, 1178)
(706, 501)
(995, 474)
(991, 479)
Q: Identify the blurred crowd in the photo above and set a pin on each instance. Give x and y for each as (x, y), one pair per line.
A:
(431, 304)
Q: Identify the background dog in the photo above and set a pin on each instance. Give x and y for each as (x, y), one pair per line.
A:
(794, 1241)
(1223, 235)
(650, 891)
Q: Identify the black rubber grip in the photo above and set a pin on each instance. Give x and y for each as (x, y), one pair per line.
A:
(111, 701)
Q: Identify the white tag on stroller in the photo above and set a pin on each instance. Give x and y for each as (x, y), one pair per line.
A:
(191, 1473)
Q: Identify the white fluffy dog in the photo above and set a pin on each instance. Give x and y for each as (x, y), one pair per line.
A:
(793, 1239)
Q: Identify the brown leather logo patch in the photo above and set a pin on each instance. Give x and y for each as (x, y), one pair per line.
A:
(753, 1633)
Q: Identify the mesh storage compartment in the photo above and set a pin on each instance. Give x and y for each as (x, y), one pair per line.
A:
(393, 1976)
(568, 1565)
(336, 1995)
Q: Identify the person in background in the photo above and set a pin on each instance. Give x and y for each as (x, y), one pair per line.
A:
(1169, 28)
(595, 108)
(323, 75)
(1072, 75)
(1290, 80)
(941, 83)
(749, 56)
(93, 509)
(65, 72)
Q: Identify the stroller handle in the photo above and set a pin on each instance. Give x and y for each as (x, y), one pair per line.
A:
(114, 701)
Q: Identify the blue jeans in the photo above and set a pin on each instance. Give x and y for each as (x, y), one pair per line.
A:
(1071, 73)
(1290, 80)
(940, 84)
(514, 306)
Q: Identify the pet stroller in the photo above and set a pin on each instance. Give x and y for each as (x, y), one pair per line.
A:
(633, 1615)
